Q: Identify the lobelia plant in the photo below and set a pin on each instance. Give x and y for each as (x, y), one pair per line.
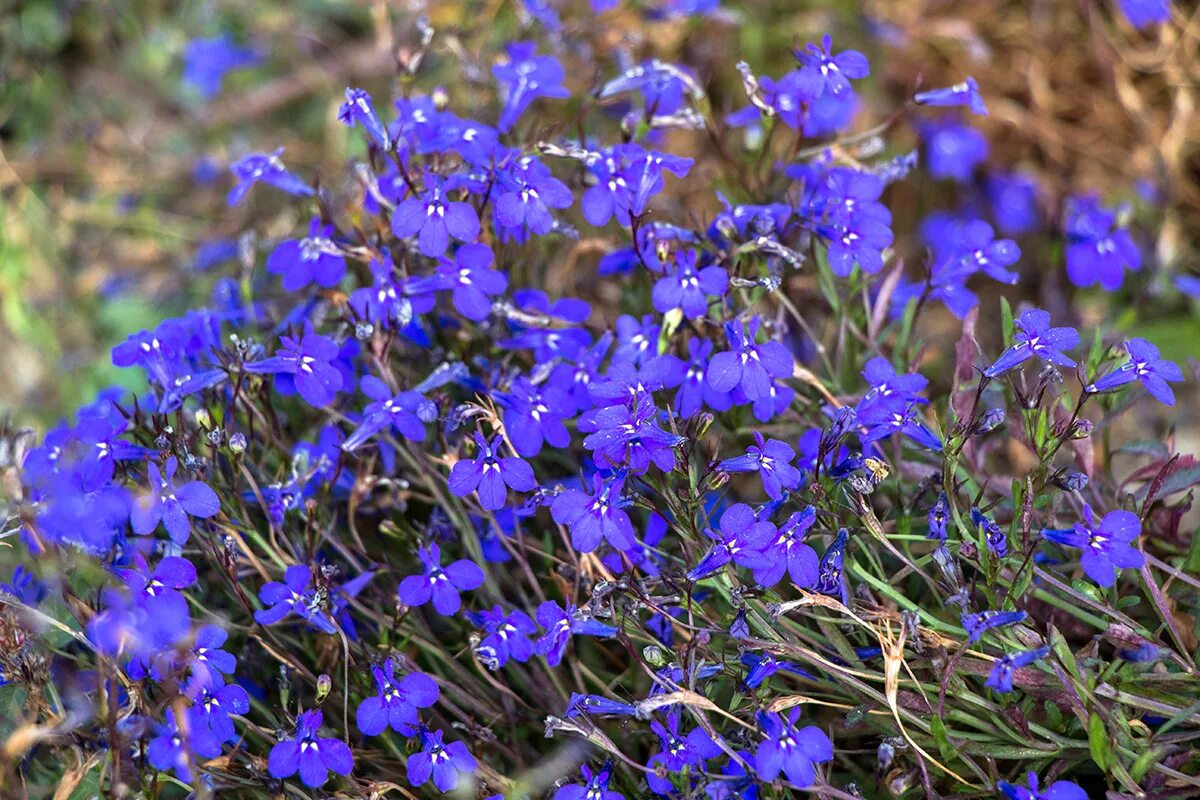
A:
(402, 469)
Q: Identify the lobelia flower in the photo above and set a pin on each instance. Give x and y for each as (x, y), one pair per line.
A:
(978, 624)
(1059, 790)
(1035, 337)
(525, 77)
(1144, 13)
(313, 756)
(747, 364)
(489, 474)
(1001, 677)
(313, 259)
(886, 416)
(207, 659)
(440, 585)
(406, 413)
(1097, 251)
(1107, 547)
(632, 437)
(560, 623)
(953, 150)
(599, 706)
(740, 539)
(268, 169)
(212, 703)
(534, 416)
(172, 505)
(885, 382)
(527, 193)
(293, 596)
(396, 704)
(440, 761)
(831, 578)
(596, 516)
(434, 220)
(1014, 202)
(472, 279)
(167, 750)
(960, 94)
(359, 110)
(693, 392)
(824, 72)
(507, 636)
(772, 460)
(788, 553)
(594, 786)
(1146, 366)
(939, 516)
(762, 667)
(689, 289)
(690, 750)
(979, 250)
(310, 361)
(206, 62)
(789, 749)
(997, 539)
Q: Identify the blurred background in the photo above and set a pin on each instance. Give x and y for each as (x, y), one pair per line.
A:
(118, 121)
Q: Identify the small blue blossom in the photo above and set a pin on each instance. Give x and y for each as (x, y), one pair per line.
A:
(560, 623)
(434, 219)
(740, 538)
(1097, 250)
(689, 289)
(789, 749)
(678, 751)
(1107, 547)
(294, 596)
(359, 110)
(1146, 366)
(407, 413)
(953, 150)
(831, 577)
(960, 94)
(525, 77)
(443, 762)
(995, 538)
(1059, 790)
(268, 169)
(1001, 677)
(772, 460)
(310, 361)
(594, 786)
(313, 259)
(507, 636)
(596, 516)
(788, 553)
(978, 624)
(490, 475)
(313, 756)
(748, 364)
(172, 505)
(440, 584)
(396, 704)
(1035, 337)
(208, 61)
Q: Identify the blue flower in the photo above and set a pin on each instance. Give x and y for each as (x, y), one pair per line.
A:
(1144, 13)
(1059, 790)
(473, 280)
(171, 504)
(167, 749)
(1001, 677)
(490, 475)
(527, 193)
(534, 416)
(762, 667)
(747, 364)
(212, 703)
(960, 94)
(598, 705)
(1097, 251)
(315, 258)
(310, 360)
(886, 416)
(404, 412)
(789, 749)
(689, 289)
(207, 61)
(1107, 547)
(1014, 202)
(313, 756)
(268, 169)
(740, 539)
(1146, 366)
(678, 751)
(596, 516)
(442, 585)
(632, 437)
(526, 77)
(822, 72)
(443, 762)
(789, 553)
(996, 539)
(594, 786)
(293, 596)
(831, 577)
(507, 636)
(953, 150)
(397, 701)
(772, 460)
(359, 110)
(1035, 337)
(434, 220)
(978, 624)
(939, 515)
(560, 623)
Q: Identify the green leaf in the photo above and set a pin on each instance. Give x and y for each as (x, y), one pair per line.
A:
(1006, 320)
(938, 728)
(1098, 742)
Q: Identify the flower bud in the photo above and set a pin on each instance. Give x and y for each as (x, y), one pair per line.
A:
(324, 686)
(237, 443)
(1082, 429)
(990, 420)
(204, 419)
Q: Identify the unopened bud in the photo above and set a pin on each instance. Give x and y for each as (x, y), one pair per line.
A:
(237, 443)
(324, 686)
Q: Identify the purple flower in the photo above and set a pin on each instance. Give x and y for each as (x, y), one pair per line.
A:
(171, 504)
(772, 460)
(594, 786)
(268, 169)
(473, 280)
(689, 288)
(534, 416)
(1144, 13)
(528, 191)
(1001, 677)
(167, 750)
(293, 596)
(1144, 365)
(678, 751)
(1098, 252)
(207, 61)
(886, 416)
(599, 515)
(1014, 201)
(939, 515)
(789, 553)
(526, 77)
(625, 436)
(212, 703)
(434, 220)
(1059, 790)
(396, 704)
(310, 361)
(443, 762)
(763, 666)
(822, 72)
(747, 364)
(831, 577)
(789, 749)
(885, 382)
(740, 539)
(207, 658)
(995, 537)
(1035, 337)
(978, 624)
(488, 474)
(507, 636)
(405, 412)
(978, 250)
(1107, 547)
(440, 585)
(359, 110)
(960, 94)
(953, 150)
(315, 258)
(313, 756)
(560, 623)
